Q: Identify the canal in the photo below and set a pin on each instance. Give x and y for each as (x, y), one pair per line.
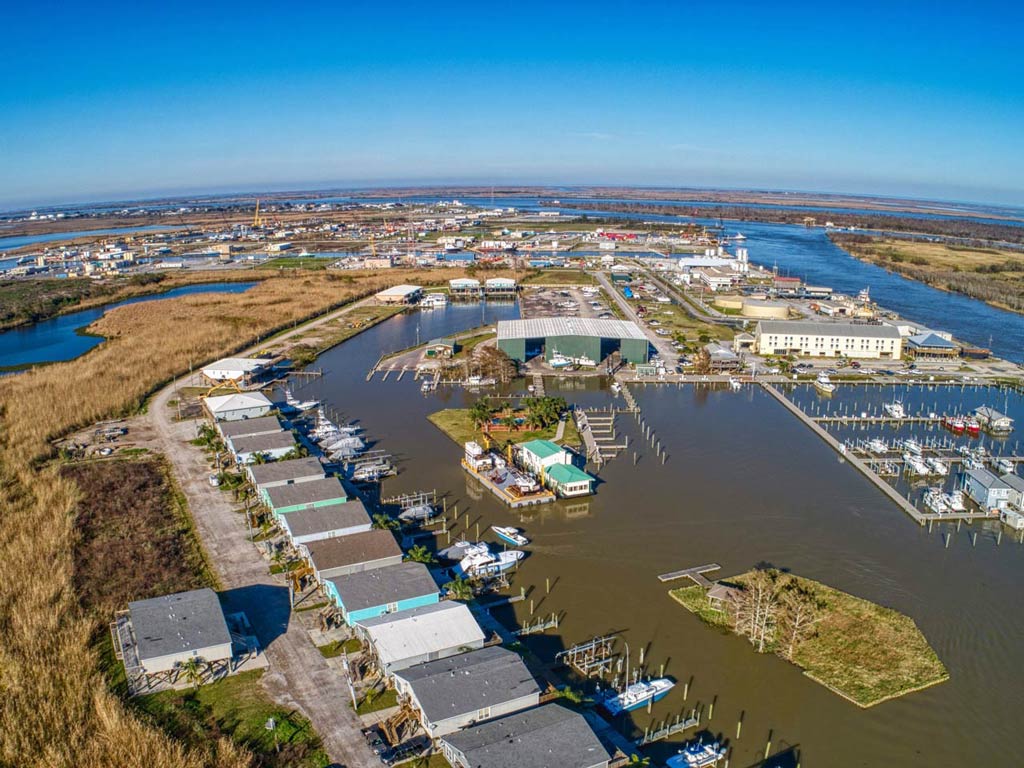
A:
(745, 483)
(60, 338)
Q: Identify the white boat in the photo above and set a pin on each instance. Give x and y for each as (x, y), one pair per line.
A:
(425, 386)
(914, 464)
(584, 361)
(417, 513)
(637, 695)
(824, 384)
(462, 549)
(955, 501)
(939, 467)
(1005, 466)
(697, 755)
(558, 360)
(894, 410)
(298, 405)
(616, 387)
(877, 445)
(369, 473)
(488, 563)
(511, 535)
(434, 301)
(935, 500)
(913, 446)
(526, 483)
(735, 384)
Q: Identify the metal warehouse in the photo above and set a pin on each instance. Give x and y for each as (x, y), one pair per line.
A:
(572, 337)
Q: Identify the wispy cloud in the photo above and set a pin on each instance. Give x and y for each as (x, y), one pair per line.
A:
(594, 135)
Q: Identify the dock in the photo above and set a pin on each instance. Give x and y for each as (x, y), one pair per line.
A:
(541, 497)
(696, 574)
(919, 517)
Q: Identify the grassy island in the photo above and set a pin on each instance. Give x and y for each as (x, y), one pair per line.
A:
(536, 420)
(863, 651)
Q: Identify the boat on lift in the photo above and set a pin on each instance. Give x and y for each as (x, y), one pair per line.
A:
(955, 501)
(697, 755)
(462, 549)
(1004, 466)
(417, 513)
(296, 404)
(877, 445)
(938, 466)
(637, 695)
(935, 500)
(735, 384)
(914, 464)
(894, 410)
(488, 563)
(912, 445)
(510, 535)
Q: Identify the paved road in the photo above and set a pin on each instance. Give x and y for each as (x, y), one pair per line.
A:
(662, 344)
(298, 676)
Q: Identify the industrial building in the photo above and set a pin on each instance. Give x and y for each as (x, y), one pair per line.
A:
(400, 294)
(428, 633)
(460, 691)
(543, 737)
(572, 337)
(823, 339)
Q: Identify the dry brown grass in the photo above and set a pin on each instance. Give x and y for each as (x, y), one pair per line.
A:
(56, 708)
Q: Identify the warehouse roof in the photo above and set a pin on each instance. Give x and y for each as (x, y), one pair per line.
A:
(237, 402)
(469, 682)
(398, 291)
(275, 441)
(178, 623)
(235, 365)
(423, 630)
(286, 470)
(812, 328)
(351, 550)
(243, 427)
(380, 586)
(332, 517)
(541, 327)
(324, 489)
(502, 281)
(537, 738)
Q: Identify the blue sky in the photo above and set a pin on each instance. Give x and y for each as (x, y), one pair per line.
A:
(112, 100)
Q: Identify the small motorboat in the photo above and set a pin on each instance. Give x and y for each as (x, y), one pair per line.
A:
(417, 513)
(637, 695)
(894, 410)
(876, 445)
(510, 535)
(697, 755)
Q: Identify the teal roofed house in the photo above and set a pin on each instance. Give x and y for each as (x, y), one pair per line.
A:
(537, 455)
(283, 499)
(372, 593)
(568, 480)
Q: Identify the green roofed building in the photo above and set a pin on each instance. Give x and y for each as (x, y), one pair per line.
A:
(572, 337)
(568, 480)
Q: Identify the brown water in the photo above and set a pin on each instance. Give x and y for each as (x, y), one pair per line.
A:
(745, 483)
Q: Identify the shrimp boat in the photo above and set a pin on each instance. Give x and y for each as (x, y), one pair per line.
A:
(510, 535)
(824, 384)
(894, 410)
(972, 427)
(954, 424)
(939, 467)
(697, 755)
(876, 445)
(486, 563)
(296, 404)
(637, 695)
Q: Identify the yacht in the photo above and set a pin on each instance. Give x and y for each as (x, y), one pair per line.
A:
(876, 445)
(637, 695)
(894, 410)
(487, 563)
(434, 301)
(913, 446)
(939, 467)
(298, 405)
(510, 535)
(697, 755)
(824, 384)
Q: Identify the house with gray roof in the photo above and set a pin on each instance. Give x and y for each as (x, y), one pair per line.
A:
(171, 630)
(328, 522)
(275, 445)
(551, 736)
(461, 691)
(350, 554)
(391, 589)
(283, 499)
(987, 490)
(287, 472)
(261, 425)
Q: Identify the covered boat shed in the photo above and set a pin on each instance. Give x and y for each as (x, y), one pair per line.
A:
(572, 337)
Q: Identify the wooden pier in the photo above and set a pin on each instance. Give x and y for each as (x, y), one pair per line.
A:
(668, 729)
(920, 517)
(696, 574)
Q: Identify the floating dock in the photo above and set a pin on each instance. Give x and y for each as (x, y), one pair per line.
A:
(515, 501)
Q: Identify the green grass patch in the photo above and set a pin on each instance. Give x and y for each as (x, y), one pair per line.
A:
(236, 707)
(133, 452)
(384, 700)
(457, 423)
(560, 277)
(339, 647)
(863, 651)
(297, 262)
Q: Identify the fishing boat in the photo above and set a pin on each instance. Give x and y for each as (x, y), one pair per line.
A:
(637, 695)
(894, 410)
(876, 445)
(434, 301)
(417, 513)
(370, 473)
(939, 467)
(824, 384)
(558, 360)
(585, 361)
(914, 464)
(511, 535)
(697, 755)
(953, 423)
(955, 501)
(935, 500)
(462, 549)
(912, 445)
(488, 563)
(296, 404)
(425, 386)
(525, 483)
(972, 426)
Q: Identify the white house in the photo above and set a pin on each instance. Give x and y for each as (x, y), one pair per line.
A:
(171, 630)
(239, 405)
(430, 632)
(237, 369)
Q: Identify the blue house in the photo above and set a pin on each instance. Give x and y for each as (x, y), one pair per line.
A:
(368, 594)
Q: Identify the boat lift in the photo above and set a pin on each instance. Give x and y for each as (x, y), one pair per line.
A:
(594, 657)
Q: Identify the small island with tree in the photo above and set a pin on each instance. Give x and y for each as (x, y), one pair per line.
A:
(863, 651)
(534, 418)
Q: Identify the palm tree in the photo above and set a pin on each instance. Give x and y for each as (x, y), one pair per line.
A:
(259, 458)
(192, 670)
(480, 412)
(460, 588)
(420, 554)
(640, 760)
(385, 522)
